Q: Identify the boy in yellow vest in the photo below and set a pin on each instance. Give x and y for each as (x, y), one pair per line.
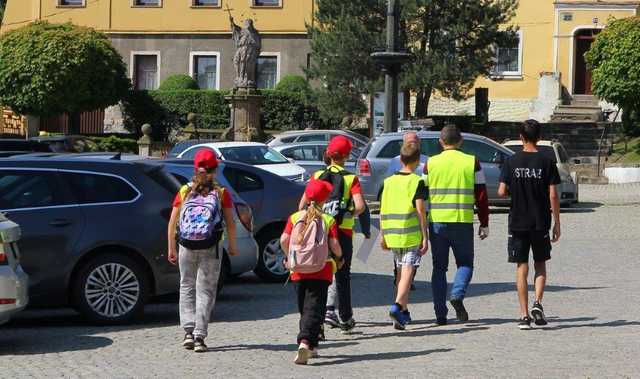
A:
(404, 229)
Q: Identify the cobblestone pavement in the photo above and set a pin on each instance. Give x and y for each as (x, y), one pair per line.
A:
(612, 194)
(593, 301)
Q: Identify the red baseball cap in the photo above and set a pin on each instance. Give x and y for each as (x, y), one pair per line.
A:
(341, 145)
(318, 190)
(206, 159)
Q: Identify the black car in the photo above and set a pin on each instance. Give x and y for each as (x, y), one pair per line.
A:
(11, 147)
(94, 231)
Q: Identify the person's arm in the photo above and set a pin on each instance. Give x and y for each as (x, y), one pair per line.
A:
(365, 221)
(505, 179)
(336, 250)
(231, 230)
(424, 225)
(284, 242)
(303, 202)
(482, 201)
(172, 256)
(358, 200)
(555, 209)
(503, 191)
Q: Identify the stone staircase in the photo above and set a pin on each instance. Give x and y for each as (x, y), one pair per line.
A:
(581, 108)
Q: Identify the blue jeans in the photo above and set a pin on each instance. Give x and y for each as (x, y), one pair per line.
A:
(458, 237)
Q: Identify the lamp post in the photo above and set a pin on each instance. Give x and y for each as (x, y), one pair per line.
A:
(391, 62)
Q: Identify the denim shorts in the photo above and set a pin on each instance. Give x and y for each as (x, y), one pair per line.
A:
(407, 257)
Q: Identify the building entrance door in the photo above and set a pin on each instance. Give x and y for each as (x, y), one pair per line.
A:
(582, 75)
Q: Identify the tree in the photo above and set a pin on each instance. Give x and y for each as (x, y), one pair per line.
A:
(614, 59)
(453, 43)
(50, 69)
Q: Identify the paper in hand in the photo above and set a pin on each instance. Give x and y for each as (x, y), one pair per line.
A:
(368, 245)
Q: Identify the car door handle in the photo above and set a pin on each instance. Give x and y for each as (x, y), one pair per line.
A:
(60, 223)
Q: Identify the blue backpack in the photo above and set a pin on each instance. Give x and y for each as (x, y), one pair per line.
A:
(201, 223)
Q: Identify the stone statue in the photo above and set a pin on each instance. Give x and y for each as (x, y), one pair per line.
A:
(248, 45)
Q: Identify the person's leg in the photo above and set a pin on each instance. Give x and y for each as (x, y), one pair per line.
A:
(460, 237)
(404, 286)
(206, 288)
(440, 257)
(313, 311)
(343, 278)
(522, 272)
(301, 292)
(541, 246)
(188, 264)
(540, 279)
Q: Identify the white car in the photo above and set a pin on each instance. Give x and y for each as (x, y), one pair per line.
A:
(13, 280)
(254, 154)
(568, 188)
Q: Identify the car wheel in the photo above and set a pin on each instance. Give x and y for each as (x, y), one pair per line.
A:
(270, 265)
(111, 289)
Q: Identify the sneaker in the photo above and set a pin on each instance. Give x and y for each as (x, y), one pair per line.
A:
(397, 317)
(348, 326)
(441, 321)
(188, 341)
(461, 312)
(407, 316)
(199, 345)
(304, 354)
(524, 323)
(538, 314)
(321, 336)
(331, 319)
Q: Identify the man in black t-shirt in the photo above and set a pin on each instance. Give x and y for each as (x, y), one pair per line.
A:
(531, 178)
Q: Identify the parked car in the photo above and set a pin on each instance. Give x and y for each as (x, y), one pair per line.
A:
(68, 143)
(272, 198)
(13, 280)
(184, 145)
(10, 147)
(251, 153)
(310, 155)
(569, 188)
(301, 136)
(94, 231)
(374, 161)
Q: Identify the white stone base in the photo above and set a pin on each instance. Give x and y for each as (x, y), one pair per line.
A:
(622, 175)
(500, 109)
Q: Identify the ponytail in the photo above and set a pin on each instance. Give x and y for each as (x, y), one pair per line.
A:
(202, 185)
(313, 213)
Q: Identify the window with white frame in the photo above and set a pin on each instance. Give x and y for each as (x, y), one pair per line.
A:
(267, 71)
(509, 58)
(204, 69)
(266, 3)
(146, 71)
(206, 3)
(147, 3)
(71, 3)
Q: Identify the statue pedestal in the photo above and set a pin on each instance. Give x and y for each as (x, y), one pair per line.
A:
(245, 106)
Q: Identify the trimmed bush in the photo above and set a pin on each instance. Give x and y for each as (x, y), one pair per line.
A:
(116, 144)
(287, 111)
(294, 84)
(178, 82)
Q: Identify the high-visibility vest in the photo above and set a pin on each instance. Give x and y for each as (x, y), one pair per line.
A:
(398, 216)
(348, 220)
(451, 177)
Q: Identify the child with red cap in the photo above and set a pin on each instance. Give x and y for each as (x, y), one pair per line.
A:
(200, 211)
(345, 203)
(313, 233)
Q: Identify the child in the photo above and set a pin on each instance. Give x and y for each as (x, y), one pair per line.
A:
(307, 238)
(200, 210)
(404, 227)
(345, 203)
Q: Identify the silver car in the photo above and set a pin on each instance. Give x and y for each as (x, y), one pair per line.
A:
(301, 136)
(13, 280)
(568, 188)
(374, 161)
(310, 155)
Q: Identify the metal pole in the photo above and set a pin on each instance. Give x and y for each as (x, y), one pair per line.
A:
(391, 76)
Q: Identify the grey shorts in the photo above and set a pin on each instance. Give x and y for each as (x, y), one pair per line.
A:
(407, 257)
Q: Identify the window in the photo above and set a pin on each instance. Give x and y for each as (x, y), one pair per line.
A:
(28, 189)
(266, 3)
(145, 71)
(71, 3)
(206, 3)
(204, 69)
(312, 138)
(243, 181)
(147, 3)
(428, 147)
(267, 75)
(564, 157)
(509, 58)
(95, 189)
(302, 153)
(485, 153)
(191, 154)
(253, 155)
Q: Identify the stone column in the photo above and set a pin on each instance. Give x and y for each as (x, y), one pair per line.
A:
(144, 143)
(245, 106)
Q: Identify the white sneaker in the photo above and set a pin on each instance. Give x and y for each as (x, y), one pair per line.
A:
(304, 354)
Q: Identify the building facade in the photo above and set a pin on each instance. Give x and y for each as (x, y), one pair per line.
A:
(159, 38)
(545, 72)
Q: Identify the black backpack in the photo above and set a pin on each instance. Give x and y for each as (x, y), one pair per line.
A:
(335, 205)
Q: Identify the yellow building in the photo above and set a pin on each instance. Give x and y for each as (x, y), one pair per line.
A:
(158, 38)
(545, 75)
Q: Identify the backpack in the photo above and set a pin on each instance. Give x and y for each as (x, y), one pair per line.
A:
(335, 205)
(200, 221)
(310, 255)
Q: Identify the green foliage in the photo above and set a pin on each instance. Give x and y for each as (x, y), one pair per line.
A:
(613, 58)
(452, 42)
(287, 111)
(294, 84)
(49, 69)
(116, 144)
(178, 82)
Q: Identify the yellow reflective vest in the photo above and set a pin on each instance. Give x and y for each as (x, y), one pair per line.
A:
(398, 216)
(451, 182)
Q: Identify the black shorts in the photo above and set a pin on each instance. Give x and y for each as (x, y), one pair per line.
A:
(521, 242)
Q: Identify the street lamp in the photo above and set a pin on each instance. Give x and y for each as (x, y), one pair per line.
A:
(391, 61)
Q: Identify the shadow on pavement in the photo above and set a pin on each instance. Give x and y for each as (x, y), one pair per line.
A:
(287, 347)
(18, 344)
(345, 359)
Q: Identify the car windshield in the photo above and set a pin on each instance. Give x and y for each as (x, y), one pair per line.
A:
(253, 155)
(546, 150)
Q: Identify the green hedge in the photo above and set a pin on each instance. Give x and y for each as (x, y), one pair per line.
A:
(178, 82)
(116, 144)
